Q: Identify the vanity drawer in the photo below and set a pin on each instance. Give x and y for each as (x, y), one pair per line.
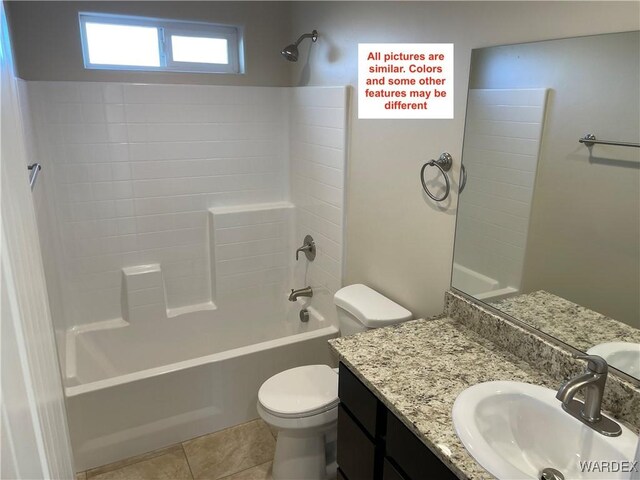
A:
(407, 450)
(357, 398)
(356, 452)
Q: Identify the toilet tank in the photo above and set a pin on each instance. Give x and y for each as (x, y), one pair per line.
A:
(361, 308)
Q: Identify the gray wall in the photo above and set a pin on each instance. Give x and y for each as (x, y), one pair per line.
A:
(397, 240)
(46, 39)
(584, 234)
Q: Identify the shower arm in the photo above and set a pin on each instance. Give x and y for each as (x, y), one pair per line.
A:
(313, 36)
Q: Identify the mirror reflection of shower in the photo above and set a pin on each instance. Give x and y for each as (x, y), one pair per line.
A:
(290, 52)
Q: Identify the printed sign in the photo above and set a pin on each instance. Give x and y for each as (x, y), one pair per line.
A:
(405, 80)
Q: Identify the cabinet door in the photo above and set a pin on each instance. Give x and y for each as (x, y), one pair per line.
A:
(356, 452)
(358, 399)
(389, 472)
(414, 457)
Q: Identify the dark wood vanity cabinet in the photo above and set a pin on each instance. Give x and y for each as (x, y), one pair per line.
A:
(373, 444)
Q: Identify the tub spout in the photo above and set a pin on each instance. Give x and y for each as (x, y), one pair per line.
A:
(302, 292)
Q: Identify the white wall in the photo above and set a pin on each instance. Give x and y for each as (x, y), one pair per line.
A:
(35, 439)
(47, 222)
(397, 240)
(47, 39)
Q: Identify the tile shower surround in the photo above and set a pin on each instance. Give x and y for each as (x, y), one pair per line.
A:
(504, 133)
(134, 168)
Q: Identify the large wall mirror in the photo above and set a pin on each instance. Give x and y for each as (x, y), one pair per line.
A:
(548, 228)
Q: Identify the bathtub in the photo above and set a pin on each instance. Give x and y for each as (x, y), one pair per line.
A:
(478, 285)
(132, 388)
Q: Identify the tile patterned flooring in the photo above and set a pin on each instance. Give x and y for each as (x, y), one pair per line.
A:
(243, 452)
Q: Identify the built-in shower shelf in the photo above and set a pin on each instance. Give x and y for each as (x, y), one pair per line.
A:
(144, 295)
(254, 207)
(176, 312)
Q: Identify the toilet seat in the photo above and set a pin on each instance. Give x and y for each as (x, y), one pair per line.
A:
(300, 392)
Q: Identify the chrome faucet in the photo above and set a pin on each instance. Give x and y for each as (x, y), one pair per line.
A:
(592, 381)
(308, 247)
(302, 292)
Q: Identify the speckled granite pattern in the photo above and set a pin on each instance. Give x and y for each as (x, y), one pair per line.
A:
(621, 398)
(418, 368)
(568, 322)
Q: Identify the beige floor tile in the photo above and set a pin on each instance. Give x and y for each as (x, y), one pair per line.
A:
(131, 460)
(168, 466)
(261, 472)
(230, 451)
(81, 476)
(273, 430)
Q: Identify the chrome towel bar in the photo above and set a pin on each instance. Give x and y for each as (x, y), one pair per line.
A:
(34, 169)
(589, 140)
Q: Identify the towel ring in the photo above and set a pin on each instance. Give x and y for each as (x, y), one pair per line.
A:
(463, 179)
(443, 163)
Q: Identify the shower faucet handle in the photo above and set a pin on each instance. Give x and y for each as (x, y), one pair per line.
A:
(308, 247)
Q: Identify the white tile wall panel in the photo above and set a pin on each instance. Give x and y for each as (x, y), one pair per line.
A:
(506, 113)
(502, 143)
(135, 168)
(324, 97)
(318, 156)
(322, 155)
(319, 116)
(251, 247)
(513, 129)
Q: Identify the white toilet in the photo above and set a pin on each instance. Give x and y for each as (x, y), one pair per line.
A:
(302, 403)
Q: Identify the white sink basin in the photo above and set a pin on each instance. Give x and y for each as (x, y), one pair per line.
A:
(515, 430)
(624, 356)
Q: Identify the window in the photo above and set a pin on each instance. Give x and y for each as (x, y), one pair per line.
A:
(116, 42)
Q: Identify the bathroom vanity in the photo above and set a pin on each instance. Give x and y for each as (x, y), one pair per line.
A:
(374, 443)
(397, 387)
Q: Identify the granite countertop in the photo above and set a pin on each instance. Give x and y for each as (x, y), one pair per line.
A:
(569, 322)
(418, 368)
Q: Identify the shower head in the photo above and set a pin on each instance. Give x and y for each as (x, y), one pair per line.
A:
(290, 52)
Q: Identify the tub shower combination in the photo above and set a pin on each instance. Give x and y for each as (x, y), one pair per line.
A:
(169, 219)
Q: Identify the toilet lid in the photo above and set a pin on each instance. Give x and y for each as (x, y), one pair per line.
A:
(300, 391)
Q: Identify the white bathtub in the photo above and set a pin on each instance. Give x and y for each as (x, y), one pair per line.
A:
(478, 285)
(135, 388)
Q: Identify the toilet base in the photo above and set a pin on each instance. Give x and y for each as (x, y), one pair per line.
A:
(306, 441)
(303, 454)
(299, 457)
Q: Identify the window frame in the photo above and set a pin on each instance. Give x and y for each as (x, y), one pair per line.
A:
(166, 28)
